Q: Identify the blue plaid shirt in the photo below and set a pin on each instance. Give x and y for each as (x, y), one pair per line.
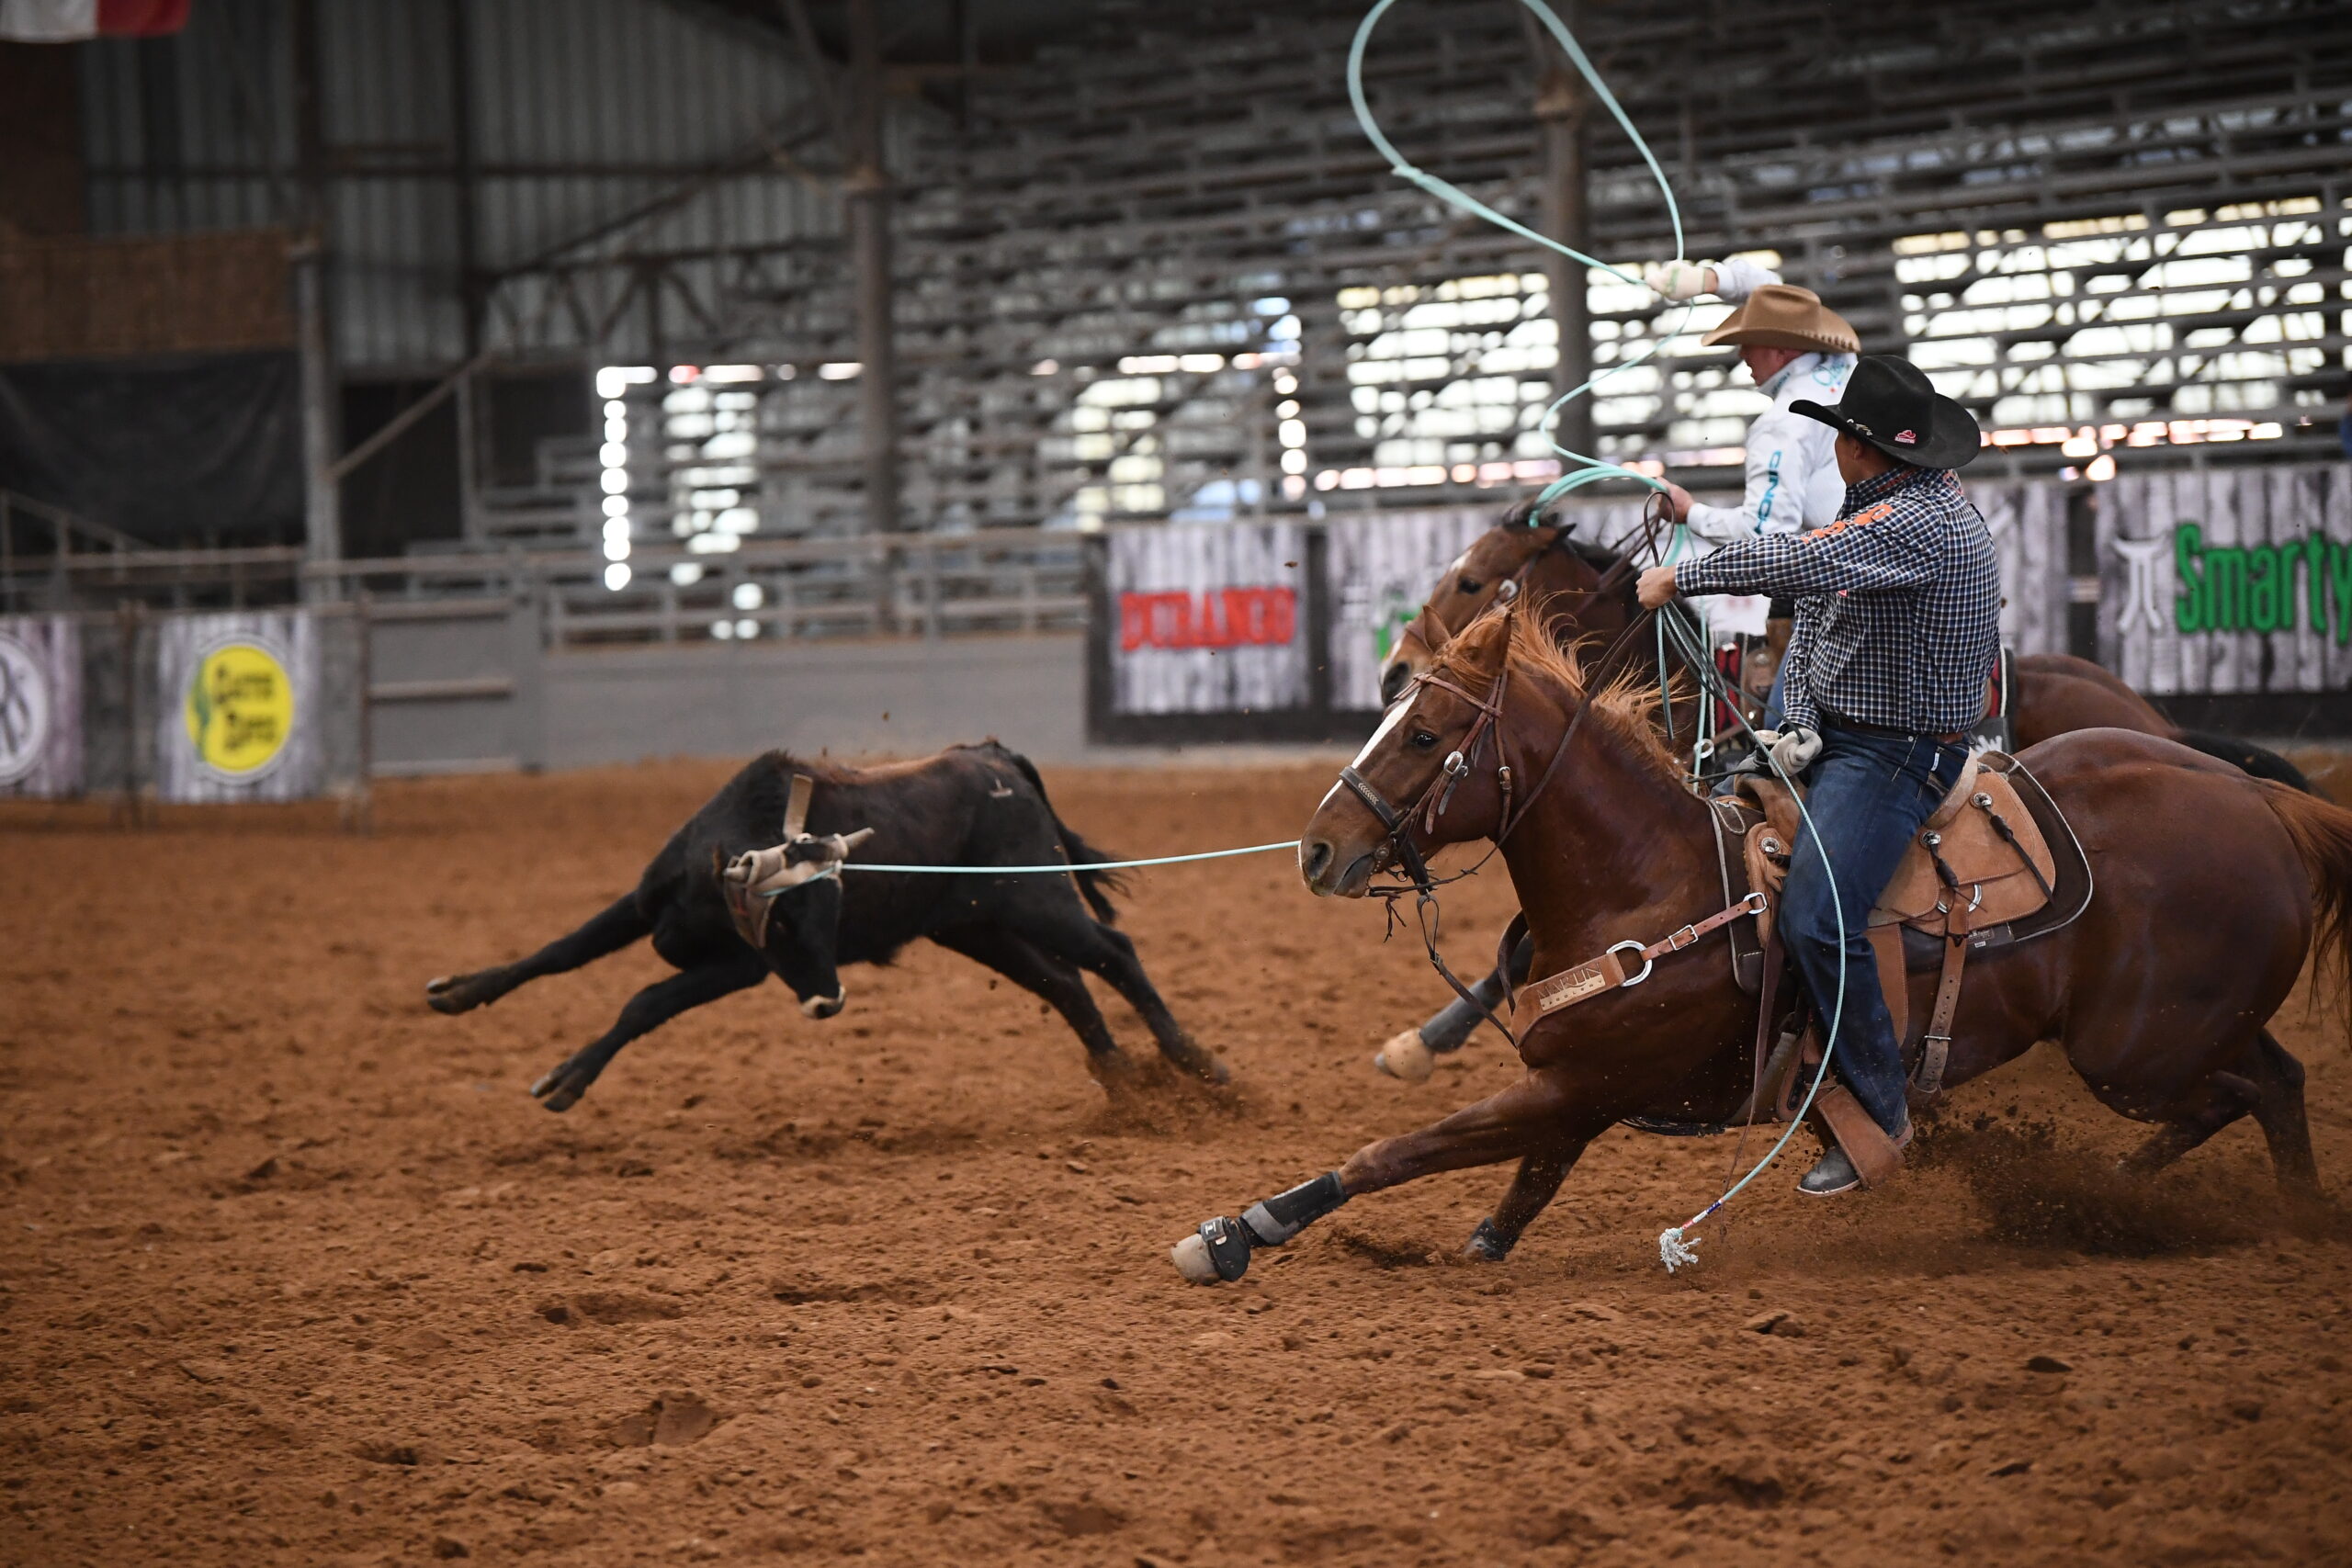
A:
(1898, 605)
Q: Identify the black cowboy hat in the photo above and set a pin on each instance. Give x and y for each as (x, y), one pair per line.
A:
(1890, 404)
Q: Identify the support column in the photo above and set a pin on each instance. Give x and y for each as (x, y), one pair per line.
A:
(1560, 109)
(314, 337)
(866, 189)
(471, 295)
(472, 285)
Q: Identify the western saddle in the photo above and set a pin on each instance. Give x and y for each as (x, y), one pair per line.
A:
(1994, 865)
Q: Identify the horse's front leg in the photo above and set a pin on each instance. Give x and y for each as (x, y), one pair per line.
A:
(1535, 1115)
(1539, 1175)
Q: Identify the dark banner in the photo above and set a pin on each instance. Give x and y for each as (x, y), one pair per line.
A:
(182, 451)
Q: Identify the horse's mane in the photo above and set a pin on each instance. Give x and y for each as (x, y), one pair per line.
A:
(1626, 704)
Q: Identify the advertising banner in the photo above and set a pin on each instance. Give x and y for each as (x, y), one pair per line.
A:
(2028, 522)
(1208, 619)
(1381, 567)
(236, 716)
(41, 706)
(2228, 582)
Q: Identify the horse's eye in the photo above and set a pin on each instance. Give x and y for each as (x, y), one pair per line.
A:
(1471, 585)
(1422, 740)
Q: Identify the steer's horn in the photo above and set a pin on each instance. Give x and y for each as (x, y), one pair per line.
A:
(796, 810)
(851, 840)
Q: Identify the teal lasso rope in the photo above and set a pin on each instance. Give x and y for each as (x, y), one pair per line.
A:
(1593, 468)
(1088, 865)
(1675, 1245)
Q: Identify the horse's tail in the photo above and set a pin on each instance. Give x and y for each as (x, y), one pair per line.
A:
(1095, 887)
(2260, 760)
(2323, 835)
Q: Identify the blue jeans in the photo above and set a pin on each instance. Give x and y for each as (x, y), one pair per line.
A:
(1869, 795)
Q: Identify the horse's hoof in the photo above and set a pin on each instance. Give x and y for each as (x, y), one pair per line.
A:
(1190, 1256)
(1218, 1252)
(821, 1008)
(443, 995)
(1485, 1243)
(557, 1090)
(1407, 1057)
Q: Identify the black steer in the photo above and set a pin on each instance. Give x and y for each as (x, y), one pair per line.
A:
(968, 805)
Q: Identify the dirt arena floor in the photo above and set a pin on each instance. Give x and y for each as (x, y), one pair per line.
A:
(297, 1273)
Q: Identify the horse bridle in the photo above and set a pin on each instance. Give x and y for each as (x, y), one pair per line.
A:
(1398, 846)
(1432, 801)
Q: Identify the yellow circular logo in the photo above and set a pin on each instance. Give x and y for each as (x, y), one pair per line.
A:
(240, 709)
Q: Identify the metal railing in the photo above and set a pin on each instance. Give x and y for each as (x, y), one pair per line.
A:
(916, 585)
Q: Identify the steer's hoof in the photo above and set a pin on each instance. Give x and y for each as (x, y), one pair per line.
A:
(1217, 1253)
(561, 1087)
(1407, 1057)
(447, 994)
(1191, 1057)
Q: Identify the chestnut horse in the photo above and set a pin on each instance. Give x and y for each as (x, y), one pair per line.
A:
(1588, 592)
(2213, 890)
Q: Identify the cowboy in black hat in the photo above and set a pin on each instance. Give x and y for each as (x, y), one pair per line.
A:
(1897, 626)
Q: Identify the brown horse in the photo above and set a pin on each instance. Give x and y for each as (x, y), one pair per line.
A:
(1588, 592)
(2211, 888)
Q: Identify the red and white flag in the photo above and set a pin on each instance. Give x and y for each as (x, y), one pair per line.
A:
(68, 21)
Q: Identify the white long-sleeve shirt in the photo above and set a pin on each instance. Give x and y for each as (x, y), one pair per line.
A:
(1792, 482)
(1794, 485)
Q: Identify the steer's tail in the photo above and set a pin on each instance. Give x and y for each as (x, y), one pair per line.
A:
(1096, 887)
(2323, 836)
(2260, 760)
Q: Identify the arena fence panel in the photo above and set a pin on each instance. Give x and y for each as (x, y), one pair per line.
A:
(254, 705)
(41, 706)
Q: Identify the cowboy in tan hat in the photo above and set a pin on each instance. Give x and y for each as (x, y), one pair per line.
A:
(1795, 347)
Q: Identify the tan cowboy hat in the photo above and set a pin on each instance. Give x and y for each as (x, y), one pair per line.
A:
(1780, 315)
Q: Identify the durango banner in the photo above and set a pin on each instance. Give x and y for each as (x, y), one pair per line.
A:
(1207, 619)
(236, 707)
(41, 706)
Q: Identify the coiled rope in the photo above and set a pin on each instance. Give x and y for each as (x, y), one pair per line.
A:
(1676, 1246)
(1592, 468)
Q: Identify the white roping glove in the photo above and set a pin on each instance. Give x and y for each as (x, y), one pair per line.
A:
(1677, 281)
(1793, 749)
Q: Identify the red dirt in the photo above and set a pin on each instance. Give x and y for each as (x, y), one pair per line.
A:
(299, 1274)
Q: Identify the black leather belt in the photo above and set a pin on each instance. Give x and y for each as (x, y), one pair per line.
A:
(1830, 716)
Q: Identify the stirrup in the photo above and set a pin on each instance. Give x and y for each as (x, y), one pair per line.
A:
(1873, 1155)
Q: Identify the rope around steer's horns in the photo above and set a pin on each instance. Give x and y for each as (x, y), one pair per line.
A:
(755, 878)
